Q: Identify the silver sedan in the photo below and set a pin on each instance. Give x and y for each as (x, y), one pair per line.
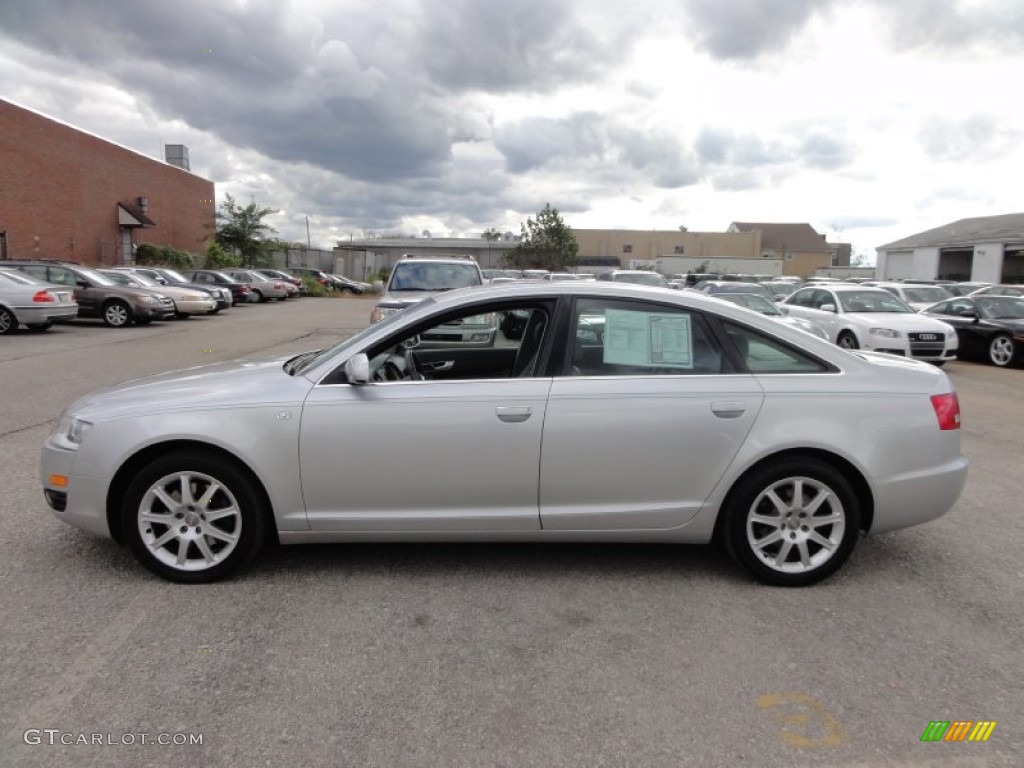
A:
(612, 413)
(25, 300)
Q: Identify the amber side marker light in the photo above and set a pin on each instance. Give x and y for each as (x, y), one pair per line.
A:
(61, 481)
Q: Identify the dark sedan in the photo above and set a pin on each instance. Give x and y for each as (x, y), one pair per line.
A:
(989, 327)
(240, 292)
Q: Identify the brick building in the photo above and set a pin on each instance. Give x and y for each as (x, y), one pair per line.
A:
(67, 194)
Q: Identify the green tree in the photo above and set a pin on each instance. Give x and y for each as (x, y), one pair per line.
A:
(492, 235)
(242, 231)
(218, 257)
(166, 256)
(547, 243)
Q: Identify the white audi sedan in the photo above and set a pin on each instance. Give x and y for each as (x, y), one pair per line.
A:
(855, 317)
(614, 412)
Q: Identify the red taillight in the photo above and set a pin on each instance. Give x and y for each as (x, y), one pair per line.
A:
(44, 297)
(947, 410)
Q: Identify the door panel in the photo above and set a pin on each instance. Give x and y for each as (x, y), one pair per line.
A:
(444, 455)
(640, 452)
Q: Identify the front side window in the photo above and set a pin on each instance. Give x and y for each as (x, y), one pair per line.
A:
(614, 337)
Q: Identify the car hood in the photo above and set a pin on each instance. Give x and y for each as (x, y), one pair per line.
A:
(404, 298)
(901, 321)
(234, 384)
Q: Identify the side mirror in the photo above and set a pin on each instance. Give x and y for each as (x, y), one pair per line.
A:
(969, 313)
(357, 369)
(82, 284)
(827, 307)
(783, 308)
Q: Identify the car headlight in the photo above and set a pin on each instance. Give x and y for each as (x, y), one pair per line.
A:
(887, 333)
(196, 296)
(379, 313)
(70, 432)
(151, 299)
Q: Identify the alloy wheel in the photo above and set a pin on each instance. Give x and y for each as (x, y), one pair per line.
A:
(1000, 350)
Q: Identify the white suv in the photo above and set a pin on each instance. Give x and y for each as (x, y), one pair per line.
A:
(413, 278)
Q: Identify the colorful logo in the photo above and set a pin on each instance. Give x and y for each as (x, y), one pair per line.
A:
(958, 730)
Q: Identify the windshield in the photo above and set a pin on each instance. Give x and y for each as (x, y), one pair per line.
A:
(133, 279)
(925, 294)
(752, 301)
(872, 301)
(781, 289)
(1001, 307)
(175, 276)
(95, 276)
(433, 276)
(20, 277)
(309, 360)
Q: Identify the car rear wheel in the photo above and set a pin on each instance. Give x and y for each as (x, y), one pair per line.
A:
(8, 322)
(117, 314)
(193, 517)
(792, 523)
(847, 340)
(1001, 350)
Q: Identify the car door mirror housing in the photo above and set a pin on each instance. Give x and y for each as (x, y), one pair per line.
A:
(357, 369)
(827, 307)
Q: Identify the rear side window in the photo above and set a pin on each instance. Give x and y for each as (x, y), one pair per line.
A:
(763, 354)
(615, 337)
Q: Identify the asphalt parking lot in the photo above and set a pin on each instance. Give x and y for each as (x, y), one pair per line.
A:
(479, 655)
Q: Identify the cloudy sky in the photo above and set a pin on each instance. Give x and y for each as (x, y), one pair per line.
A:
(869, 119)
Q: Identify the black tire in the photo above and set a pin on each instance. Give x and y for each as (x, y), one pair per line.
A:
(8, 322)
(237, 491)
(1002, 350)
(213, 312)
(260, 298)
(117, 314)
(847, 340)
(40, 326)
(835, 518)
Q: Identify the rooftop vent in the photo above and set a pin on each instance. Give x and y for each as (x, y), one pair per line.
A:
(177, 155)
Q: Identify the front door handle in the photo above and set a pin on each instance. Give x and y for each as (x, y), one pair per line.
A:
(513, 413)
(729, 410)
(440, 365)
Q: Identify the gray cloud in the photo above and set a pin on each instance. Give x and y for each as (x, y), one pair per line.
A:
(975, 137)
(749, 29)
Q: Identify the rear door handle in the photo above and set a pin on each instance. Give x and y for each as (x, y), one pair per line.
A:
(729, 410)
(513, 413)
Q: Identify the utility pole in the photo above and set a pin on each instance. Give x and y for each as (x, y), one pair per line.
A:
(308, 246)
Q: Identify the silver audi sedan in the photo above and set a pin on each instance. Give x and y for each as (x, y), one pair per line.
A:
(613, 412)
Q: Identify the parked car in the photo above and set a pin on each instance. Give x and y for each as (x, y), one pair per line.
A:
(187, 302)
(25, 300)
(635, 276)
(763, 306)
(685, 419)
(317, 275)
(780, 289)
(241, 293)
(99, 296)
(918, 296)
(301, 289)
(964, 289)
(855, 317)
(715, 287)
(989, 327)
(263, 288)
(1000, 290)
(413, 279)
(167, 276)
(347, 285)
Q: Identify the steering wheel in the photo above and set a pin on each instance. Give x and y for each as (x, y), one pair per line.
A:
(389, 371)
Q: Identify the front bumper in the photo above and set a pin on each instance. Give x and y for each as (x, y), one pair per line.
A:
(200, 307)
(82, 502)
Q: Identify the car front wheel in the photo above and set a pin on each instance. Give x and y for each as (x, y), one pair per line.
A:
(193, 517)
(847, 340)
(792, 523)
(1001, 350)
(117, 314)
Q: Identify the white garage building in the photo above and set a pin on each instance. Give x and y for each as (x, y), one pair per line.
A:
(987, 249)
